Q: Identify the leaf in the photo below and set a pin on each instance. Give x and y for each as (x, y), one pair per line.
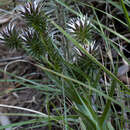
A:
(126, 13)
(88, 123)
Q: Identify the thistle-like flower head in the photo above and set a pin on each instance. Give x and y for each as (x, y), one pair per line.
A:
(81, 29)
(32, 42)
(33, 14)
(11, 37)
(91, 48)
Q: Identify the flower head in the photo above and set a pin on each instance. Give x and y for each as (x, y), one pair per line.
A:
(11, 37)
(33, 14)
(81, 29)
(91, 48)
(32, 42)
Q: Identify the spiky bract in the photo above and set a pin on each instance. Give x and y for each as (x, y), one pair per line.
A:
(11, 37)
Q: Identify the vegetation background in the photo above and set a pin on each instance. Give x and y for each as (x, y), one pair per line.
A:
(64, 64)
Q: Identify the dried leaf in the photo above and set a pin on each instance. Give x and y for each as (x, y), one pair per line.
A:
(5, 18)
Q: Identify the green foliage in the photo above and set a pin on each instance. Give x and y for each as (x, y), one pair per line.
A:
(126, 13)
(79, 80)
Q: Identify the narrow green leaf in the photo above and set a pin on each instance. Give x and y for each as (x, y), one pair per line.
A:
(88, 123)
(125, 13)
(117, 5)
(105, 114)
